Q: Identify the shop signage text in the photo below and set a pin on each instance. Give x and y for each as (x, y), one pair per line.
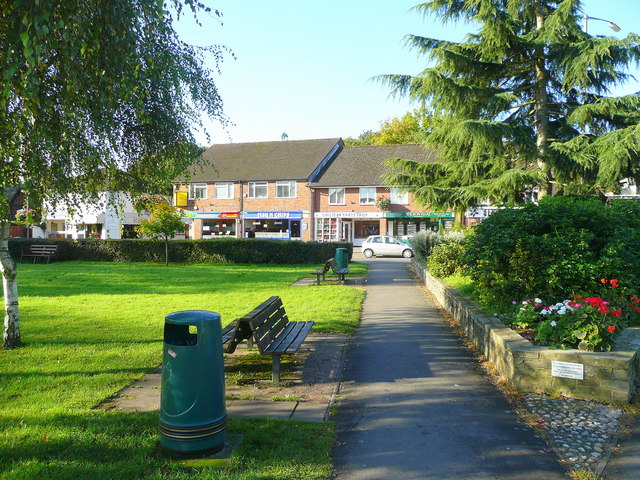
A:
(210, 215)
(268, 215)
(419, 215)
(348, 214)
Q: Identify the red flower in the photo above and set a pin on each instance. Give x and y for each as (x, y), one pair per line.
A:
(637, 309)
(616, 313)
(614, 283)
(611, 328)
(603, 280)
(603, 310)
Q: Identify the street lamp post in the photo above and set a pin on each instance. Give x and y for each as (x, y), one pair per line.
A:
(612, 25)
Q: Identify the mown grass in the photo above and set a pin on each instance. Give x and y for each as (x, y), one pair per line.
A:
(89, 329)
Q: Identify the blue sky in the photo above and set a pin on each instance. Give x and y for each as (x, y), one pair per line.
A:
(305, 67)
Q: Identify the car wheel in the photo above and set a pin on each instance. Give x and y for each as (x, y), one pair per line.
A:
(407, 253)
(368, 253)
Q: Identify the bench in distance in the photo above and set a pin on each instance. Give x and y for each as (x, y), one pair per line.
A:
(40, 251)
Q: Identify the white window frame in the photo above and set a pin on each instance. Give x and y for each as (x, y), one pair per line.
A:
(223, 190)
(289, 185)
(398, 197)
(194, 188)
(334, 192)
(252, 189)
(365, 195)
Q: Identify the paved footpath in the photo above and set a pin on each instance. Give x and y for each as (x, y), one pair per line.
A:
(413, 403)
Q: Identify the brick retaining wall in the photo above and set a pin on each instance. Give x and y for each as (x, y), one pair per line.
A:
(608, 376)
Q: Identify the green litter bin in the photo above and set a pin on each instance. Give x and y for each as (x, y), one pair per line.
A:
(193, 417)
(342, 259)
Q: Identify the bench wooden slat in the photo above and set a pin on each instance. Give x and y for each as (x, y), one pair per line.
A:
(269, 331)
(277, 342)
(40, 251)
(302, 334)
(291, 340)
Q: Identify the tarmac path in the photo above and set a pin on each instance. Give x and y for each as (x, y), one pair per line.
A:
(413, 402)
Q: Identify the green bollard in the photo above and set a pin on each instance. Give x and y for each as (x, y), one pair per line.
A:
(193, 417)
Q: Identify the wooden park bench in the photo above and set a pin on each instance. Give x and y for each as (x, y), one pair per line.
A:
(267, 327)
(322, 272)
(339, 272)
(40, 251)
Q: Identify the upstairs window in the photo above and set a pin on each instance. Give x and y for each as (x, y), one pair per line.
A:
(198, 191)
(223, 191)
(258, 190)
(336, 196)
(286, 189)
(367, 196)
(399, 197)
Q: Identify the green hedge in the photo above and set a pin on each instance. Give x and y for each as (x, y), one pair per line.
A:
(562, 247)
(227, 250)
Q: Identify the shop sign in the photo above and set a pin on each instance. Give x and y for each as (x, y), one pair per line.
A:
(209, 215)
(270, 215)
(348, 215)
(419, 215)
(182, 199)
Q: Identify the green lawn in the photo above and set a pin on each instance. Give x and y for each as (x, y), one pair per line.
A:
(91, 328)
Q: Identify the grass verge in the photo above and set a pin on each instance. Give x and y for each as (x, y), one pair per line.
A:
(92, 328)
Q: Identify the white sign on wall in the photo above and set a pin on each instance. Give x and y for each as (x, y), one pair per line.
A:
(567, 370)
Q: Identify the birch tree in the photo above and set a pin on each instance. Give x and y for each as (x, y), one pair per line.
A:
(523, 102)
(95, 96)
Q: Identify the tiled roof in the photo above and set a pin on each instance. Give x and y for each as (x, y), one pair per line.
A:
(285, 160)
(362, 166)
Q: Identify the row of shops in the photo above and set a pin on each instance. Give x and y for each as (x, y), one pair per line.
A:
(327, 226)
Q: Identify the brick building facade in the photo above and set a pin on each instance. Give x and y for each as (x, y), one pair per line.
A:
(301, 190)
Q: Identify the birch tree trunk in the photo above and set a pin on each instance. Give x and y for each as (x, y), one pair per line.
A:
(11, 331)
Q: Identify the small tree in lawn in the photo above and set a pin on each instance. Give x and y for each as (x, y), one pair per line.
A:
(164, 222)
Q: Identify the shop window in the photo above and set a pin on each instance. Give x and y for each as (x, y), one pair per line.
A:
(336, 196)
(257, 189)
(198, 191)
(215, 227)
(399, 197)
(286, 189)
(223, 191)
(367, 196)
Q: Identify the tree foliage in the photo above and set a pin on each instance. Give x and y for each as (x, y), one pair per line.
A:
(164, 222)
(522, 102)
(96, 95)
(395, 131)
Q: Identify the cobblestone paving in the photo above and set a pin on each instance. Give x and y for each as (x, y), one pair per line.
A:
(580, 431)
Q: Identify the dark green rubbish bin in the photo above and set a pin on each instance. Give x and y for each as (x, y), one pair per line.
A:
(342, 259)
(193, 417)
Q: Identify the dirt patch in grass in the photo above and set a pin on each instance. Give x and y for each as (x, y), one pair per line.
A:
(308, 376)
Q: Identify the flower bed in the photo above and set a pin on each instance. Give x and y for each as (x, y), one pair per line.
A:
(587, 323)
(612, 376)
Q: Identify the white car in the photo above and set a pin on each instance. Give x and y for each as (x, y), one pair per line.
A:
(385, 245)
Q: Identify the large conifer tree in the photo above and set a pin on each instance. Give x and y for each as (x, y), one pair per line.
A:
(521, 103)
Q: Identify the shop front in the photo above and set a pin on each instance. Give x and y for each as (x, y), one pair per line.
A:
(352, 227)
(405, 225)
(213, 224)
(279, 225)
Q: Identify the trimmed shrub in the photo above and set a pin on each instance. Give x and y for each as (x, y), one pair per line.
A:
(557, 249)
(224, 250)
(446, 259)
(424, 242)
